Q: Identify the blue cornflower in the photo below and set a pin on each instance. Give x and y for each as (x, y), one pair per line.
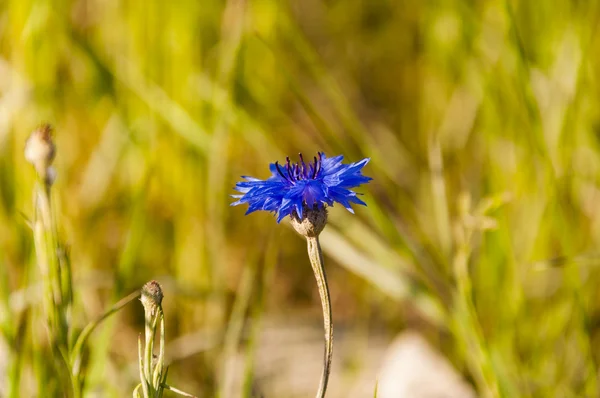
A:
(293, 186)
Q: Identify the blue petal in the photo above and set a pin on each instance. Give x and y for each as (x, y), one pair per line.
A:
(284, 195)
(285, 209)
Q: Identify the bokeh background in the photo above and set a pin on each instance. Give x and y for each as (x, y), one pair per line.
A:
(482, 122)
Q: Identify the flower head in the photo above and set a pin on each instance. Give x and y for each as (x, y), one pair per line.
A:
(295, 187)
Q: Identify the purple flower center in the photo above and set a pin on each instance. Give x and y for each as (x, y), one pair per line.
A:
(293, 172)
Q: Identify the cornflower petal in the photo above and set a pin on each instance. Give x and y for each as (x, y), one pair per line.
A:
(293, 187)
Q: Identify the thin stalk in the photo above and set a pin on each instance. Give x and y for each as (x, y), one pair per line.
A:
(16, 360)
(136, 391)
(467, 321)
(41, 252)
(50, 250)
(271, 254)
(150, 332)
(144, 382)
(163, 383)
(57, 304)
(177, 391)
(234, 331)
(158, 371)
(90, 327)
(316, 260)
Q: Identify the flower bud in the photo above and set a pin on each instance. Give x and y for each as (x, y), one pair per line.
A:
(40, 151)
(312, 223)
(152, 296)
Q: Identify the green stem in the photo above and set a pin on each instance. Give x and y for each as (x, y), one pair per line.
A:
(90, 327)
(316, 260)
(158, 370)
(150, 332)
(57, 306)
(144, 381)
(177, 391)
(469, 328)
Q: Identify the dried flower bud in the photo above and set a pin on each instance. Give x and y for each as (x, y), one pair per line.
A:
(312, 223)
(40, 151)
(152, 296)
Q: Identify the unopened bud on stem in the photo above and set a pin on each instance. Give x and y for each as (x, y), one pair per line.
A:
(152, 296)
(40, 151)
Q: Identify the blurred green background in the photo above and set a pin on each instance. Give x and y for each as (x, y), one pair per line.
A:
(482, 122)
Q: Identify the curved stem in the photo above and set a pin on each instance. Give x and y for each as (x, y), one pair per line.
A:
(90, 327)
(316, 260)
